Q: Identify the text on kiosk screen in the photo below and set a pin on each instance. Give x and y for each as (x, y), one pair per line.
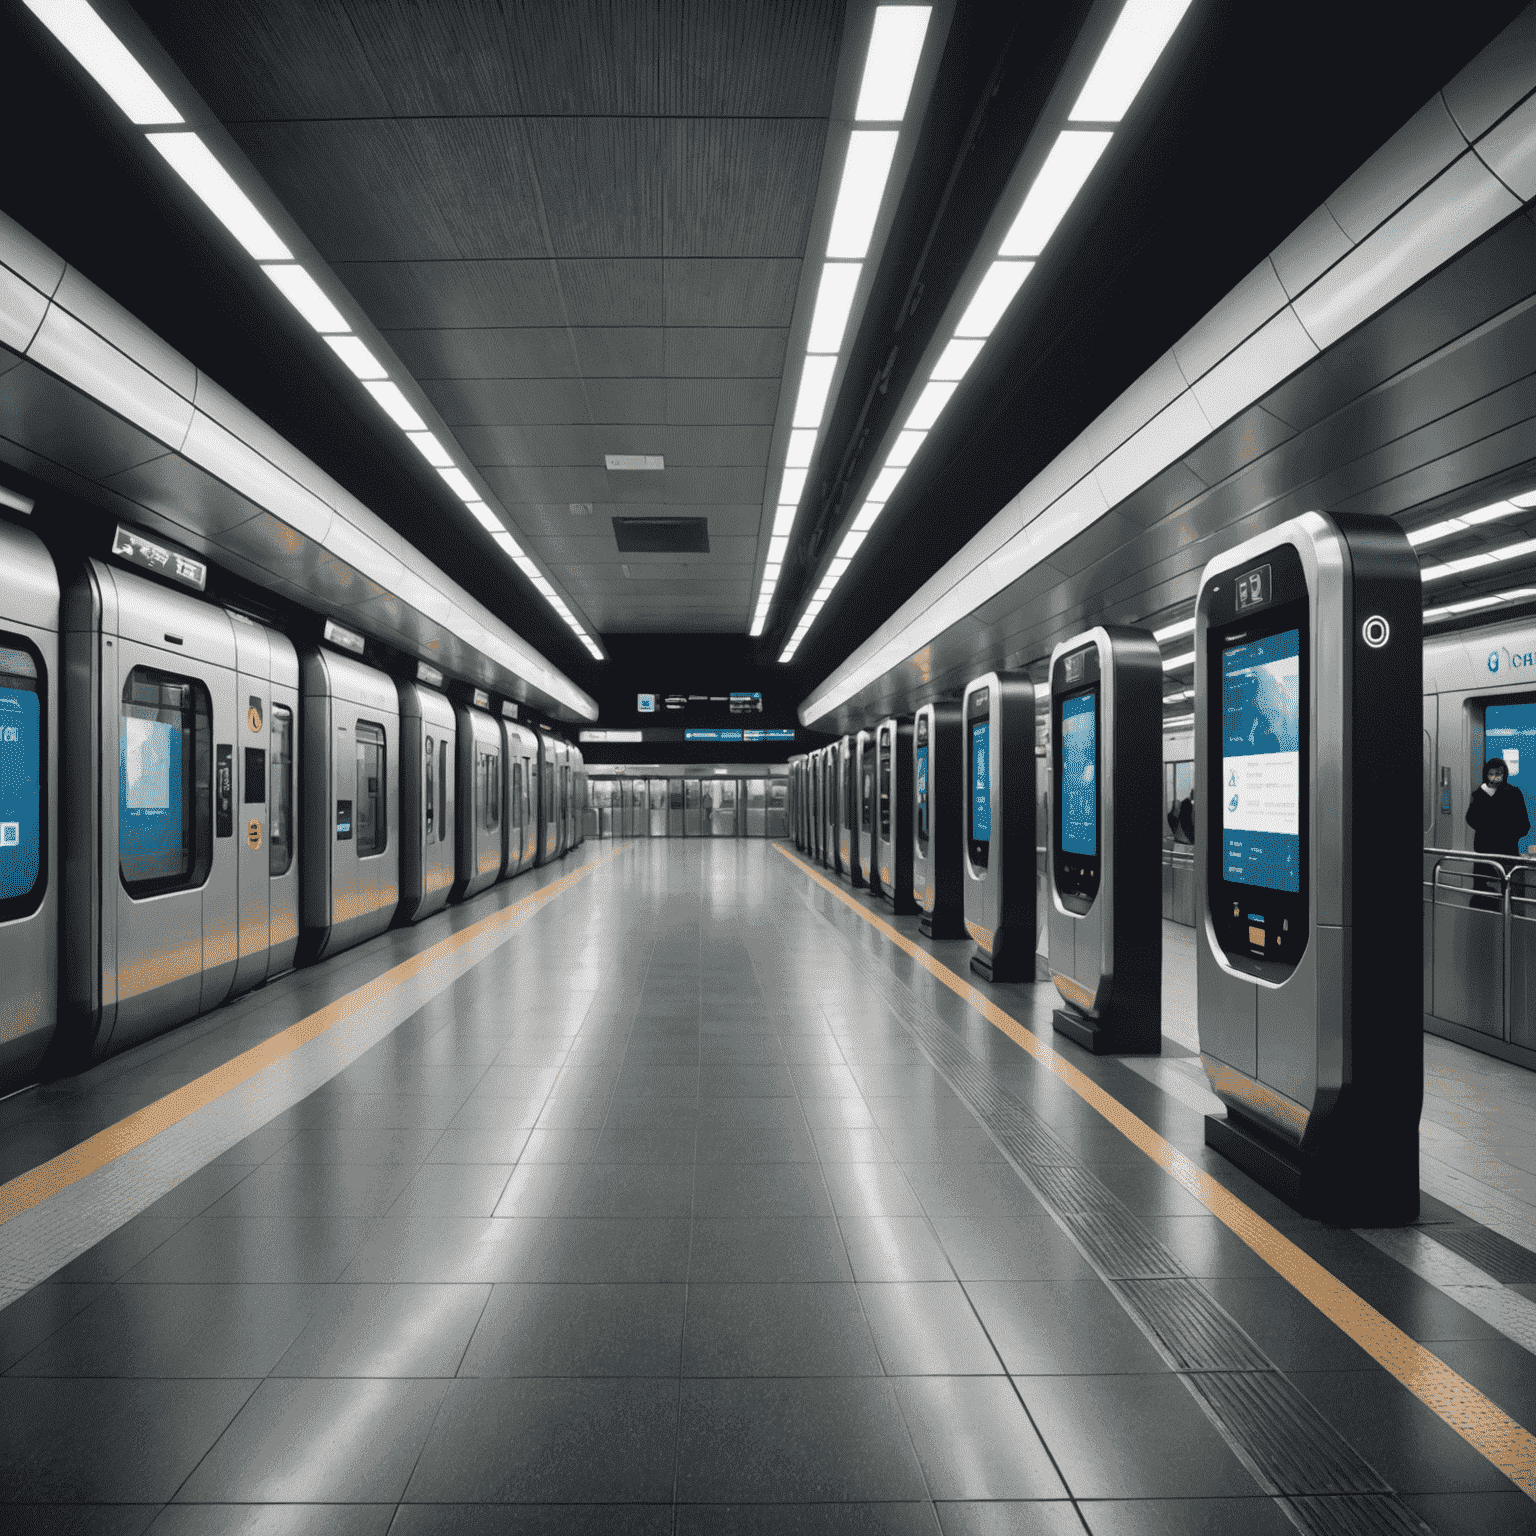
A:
(1261, 762)
(20, 790)
(981, 782)
(1079, 798)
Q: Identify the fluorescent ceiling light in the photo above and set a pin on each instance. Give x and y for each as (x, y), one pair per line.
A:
(757, 626)
(777, 548)
(834, 300)
(396, 406)
(458, 483)
(355, 354)
(771, 574)
(867, 515)
(485, 517)
(851, 541)
(194, 162)
(1173, 663)
(932, 400)
(885, 482)
(1443, 530)
(957, 359)
(858, 198)
(802, 444)
(431, 450)
(1072, 157)
(306, 296)
(998, 287)
(784, 520)
(792, 486)
(904, 449)
(836, 569)
(1178, 720)
(1173, 631)
(97, 50)
(1139, 37)
(506, 541)
(811, 402)
(890, 66)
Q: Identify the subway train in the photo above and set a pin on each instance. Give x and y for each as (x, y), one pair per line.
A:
(236, 805)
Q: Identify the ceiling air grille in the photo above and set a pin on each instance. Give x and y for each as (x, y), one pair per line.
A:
(662, 535)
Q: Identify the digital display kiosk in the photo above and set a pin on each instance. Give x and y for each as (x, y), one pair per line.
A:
(1000, 879)
(938, 820)
(1104, 924)
(1308, 674)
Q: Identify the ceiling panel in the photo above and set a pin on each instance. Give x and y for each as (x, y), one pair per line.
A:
(600, 180)
(504, 352)
(492, 402)
(610, 291)
(620, 352)
(750, 60)
(704, 402)
(627, 400)
(416, 294)
(572, 549)
(722, 352)
(755, 292)
(681, 447)
(555, 519)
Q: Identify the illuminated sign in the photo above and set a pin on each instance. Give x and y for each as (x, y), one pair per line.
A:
(137, 550)
(785, 735)
(700, 734)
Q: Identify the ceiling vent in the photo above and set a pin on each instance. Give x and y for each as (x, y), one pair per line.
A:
(662, 535)
(633, 461)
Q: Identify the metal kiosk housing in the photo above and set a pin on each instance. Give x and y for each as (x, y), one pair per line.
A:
(938, 790)
(1000, 869)
(1104, 921)
(1319, 1057)
(891, 872)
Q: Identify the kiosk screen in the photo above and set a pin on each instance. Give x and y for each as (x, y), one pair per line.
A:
(1261, 762)
(920, 771)
(1079, 782)
(1510, 732)
(981, 791)
(21, 783)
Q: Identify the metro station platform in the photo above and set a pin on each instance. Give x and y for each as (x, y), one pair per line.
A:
(689, 1190)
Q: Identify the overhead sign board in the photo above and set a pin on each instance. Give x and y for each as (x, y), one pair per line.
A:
(697, 733)
(344, 639)
(163, 561)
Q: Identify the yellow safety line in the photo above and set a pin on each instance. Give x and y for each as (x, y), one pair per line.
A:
(1480, 1422)
(33, 1187)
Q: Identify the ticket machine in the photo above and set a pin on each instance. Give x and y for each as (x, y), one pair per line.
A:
(1308, 669)
(998, 762)
(1104, 863)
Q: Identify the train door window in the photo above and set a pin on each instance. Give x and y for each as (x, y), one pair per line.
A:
(372, 807)
(23, 780)
(867, 795)
(280, 833)
(442, 778)
(518, 818)
(430, 788)
(490, 790)
(165, 780)
(885, 786)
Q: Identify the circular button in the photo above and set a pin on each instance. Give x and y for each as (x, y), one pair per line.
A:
(1376, 631)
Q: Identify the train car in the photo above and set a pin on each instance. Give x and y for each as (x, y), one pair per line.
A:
(180, 887)
(428, 765)
(577, 820)
(481, 802)
(351, 803)
(548, 801)
(520, 833)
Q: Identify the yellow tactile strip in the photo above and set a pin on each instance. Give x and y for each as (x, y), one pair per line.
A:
(1485, 1426)
(30, 1189)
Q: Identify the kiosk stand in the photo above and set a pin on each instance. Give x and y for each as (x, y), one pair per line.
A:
(1308, 671)
(998, 761)
(938, 821)
(1105, 841)
(891, 872)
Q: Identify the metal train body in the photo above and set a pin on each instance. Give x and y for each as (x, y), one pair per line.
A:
(233, 806)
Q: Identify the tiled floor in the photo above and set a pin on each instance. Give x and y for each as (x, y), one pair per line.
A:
(661, 1219)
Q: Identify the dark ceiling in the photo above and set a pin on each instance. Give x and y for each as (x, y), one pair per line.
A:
(581, 226)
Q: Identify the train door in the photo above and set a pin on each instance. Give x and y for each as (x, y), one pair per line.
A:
(757, 807)
(656, 811)
(693, 823)
(480, 800)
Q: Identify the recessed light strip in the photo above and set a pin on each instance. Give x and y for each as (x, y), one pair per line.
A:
(1126, 59)
(105, 58)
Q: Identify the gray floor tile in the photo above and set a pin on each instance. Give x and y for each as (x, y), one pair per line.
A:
(763, 1251)
(488, 1144)
(894, 1248)
(664, 1143)
(578, 1330)
(1187, 1517)
(1061, 1327)
(1030, 1248)
(928, 1329)
(763, 1190)
(974, 1439)
(257, 1250)
(541, 1189)
(638, 1189)
(991, 1190)
(356, 1144)
(1011, 1518)
(777, 1330)
(533, 1520)
(274, 1520)
(386, 1330)
(38, 1315)
(117, 1254)
(314, 1189)
(752, 1441)
(546, 1441)
(1473, 1514)
(787, 1143)
(842, 1519)
(870, 1189)
(299, 1442)
(452, 1189)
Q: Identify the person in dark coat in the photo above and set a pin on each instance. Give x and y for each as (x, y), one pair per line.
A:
(1498, 819)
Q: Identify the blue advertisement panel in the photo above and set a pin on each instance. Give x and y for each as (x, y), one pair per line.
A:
(1511, 734)
(21, 787)
(151, 843)
(981, 782)
(922, 791)
(1079, 768)
(1261, 762)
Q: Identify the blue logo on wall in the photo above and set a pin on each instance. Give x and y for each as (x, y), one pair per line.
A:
(1493, 661)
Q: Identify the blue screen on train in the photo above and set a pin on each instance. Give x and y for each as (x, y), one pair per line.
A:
(922, 791)
(1510, 730)
(981, 782)
(1079, 767)
(1261, 762)
(20, 790)
(150, 834)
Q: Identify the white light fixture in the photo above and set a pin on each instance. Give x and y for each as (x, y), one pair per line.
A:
(1002, 281)
(802, 444)
(957, 359)
(485, 517)
(306, 296)
(459, 483)
(815, 382)
(105, 59)
(904, 449)
(932, 400)
(506, 541)
(1173, 631)
(777, 548)
(834, 301)
(885, 482)
(890, 66)
(1177, 721)
(194, 162)
(1461, 521)
(355, 354)
(1173, 663)
(1071, 160)
(867, 515)
(858, 197)
(396, 406)
(431, 450)
(792, 487)
(1125, 61)
(850, 545)
(784, 520)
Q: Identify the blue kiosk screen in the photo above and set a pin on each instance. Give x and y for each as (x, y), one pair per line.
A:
(1261, 762)
(922, 791)
(20, 789)
(1079, 767)
(981, 782)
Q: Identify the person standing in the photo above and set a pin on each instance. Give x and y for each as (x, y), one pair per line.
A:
(1498, 818)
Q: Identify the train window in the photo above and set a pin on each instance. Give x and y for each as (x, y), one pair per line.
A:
(490, 790)
(867, 808)
(23, 780)
(280, 838)
(885, 786)
(518, 818)
(372, 807)
(165, 782)
(443, 779)
(431, 788)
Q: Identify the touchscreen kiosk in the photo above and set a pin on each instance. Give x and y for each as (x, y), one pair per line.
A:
(999, 766)
(938, 820)
(1105, 857)
(1308, 673)
(891, 871)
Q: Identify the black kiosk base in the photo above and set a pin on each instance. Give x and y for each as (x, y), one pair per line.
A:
(1344, 1187)
(1009, 966)
(942, 928)
(1113, 1039)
